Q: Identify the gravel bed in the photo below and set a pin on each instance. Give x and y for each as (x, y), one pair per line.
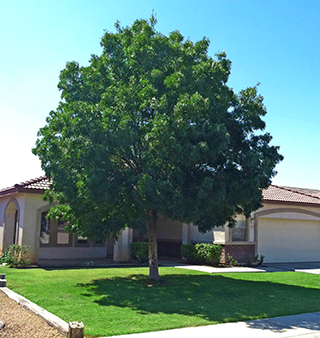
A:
(20, 323)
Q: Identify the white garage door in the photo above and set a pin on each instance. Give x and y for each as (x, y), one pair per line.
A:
(288, 240)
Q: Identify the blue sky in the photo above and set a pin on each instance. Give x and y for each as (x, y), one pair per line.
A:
(276, 43)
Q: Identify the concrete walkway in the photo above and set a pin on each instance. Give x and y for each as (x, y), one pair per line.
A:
(313, 268)
(211, 269)
(302, 326)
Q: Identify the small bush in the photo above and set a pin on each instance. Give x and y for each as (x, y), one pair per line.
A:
(5, 257)
(232, 261)
(203, 253)
(15, 256)
(139, 251)
(259, 260)
(210, 253)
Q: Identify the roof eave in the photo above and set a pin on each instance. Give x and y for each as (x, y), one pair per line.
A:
(15, 190)
(302, 204)
(9, 191)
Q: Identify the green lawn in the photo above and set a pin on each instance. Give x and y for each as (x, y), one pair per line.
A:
(120, 301)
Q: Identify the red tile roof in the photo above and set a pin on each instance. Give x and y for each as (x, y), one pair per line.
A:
(37, 183)
(37, 186)
(275, 193)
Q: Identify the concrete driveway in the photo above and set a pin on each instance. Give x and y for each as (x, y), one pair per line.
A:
(308, 267)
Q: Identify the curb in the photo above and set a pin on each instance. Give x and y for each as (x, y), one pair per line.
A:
(50, 318)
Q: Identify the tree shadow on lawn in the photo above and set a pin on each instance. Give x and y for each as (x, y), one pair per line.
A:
(213, 298)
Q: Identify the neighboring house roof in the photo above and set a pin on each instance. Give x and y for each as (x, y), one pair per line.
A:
(35, 186)
(273, 194)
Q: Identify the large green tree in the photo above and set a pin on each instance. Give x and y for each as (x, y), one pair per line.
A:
(149, 127)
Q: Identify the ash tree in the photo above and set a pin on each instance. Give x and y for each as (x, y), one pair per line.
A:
(151, 127)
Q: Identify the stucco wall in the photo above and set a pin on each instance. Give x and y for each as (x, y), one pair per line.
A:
(287, 215)
(197, 237)
(72, 252)
(33, 202)
(30, 207)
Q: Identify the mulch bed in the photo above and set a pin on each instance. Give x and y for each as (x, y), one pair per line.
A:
(21, 323)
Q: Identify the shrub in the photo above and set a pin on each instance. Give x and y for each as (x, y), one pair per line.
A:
(203, 253)
(210, 253)
(5, 257)
(139, 251)
(15, 256)
(259, 260)
(189, 252)
(232, 261)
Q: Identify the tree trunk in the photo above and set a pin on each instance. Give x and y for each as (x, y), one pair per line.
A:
(153, 247)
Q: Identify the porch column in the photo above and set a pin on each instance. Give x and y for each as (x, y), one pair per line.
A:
(247, 223)
(250, 228)
(122, 248)
(228, 234)
(1, 234)
(186, 233)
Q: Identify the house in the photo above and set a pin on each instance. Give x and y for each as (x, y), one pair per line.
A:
(285, 229)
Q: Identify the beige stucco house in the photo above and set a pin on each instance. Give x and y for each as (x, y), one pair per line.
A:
(286, 229)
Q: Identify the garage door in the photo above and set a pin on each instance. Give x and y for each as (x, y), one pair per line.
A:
(288, 240)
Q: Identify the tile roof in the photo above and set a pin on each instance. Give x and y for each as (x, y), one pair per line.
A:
(37, 185)
(275, 193)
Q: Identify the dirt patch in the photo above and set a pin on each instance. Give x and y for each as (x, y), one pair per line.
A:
(20, 323)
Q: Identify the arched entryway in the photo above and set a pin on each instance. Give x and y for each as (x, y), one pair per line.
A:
(11, 224)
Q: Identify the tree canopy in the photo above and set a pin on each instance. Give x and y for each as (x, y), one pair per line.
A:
(151, 126)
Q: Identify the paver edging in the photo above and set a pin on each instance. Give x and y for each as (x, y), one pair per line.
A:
(50, 318)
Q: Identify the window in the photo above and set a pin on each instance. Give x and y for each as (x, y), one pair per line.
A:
(239, 232)
(99, 243)
(52, 232)
(45, 230)
(82, 241)
(63, 237)
(16, 229)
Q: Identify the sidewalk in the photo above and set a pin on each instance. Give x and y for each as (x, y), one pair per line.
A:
(306, 325)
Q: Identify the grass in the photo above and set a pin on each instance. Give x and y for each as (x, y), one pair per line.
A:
(120, 301)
